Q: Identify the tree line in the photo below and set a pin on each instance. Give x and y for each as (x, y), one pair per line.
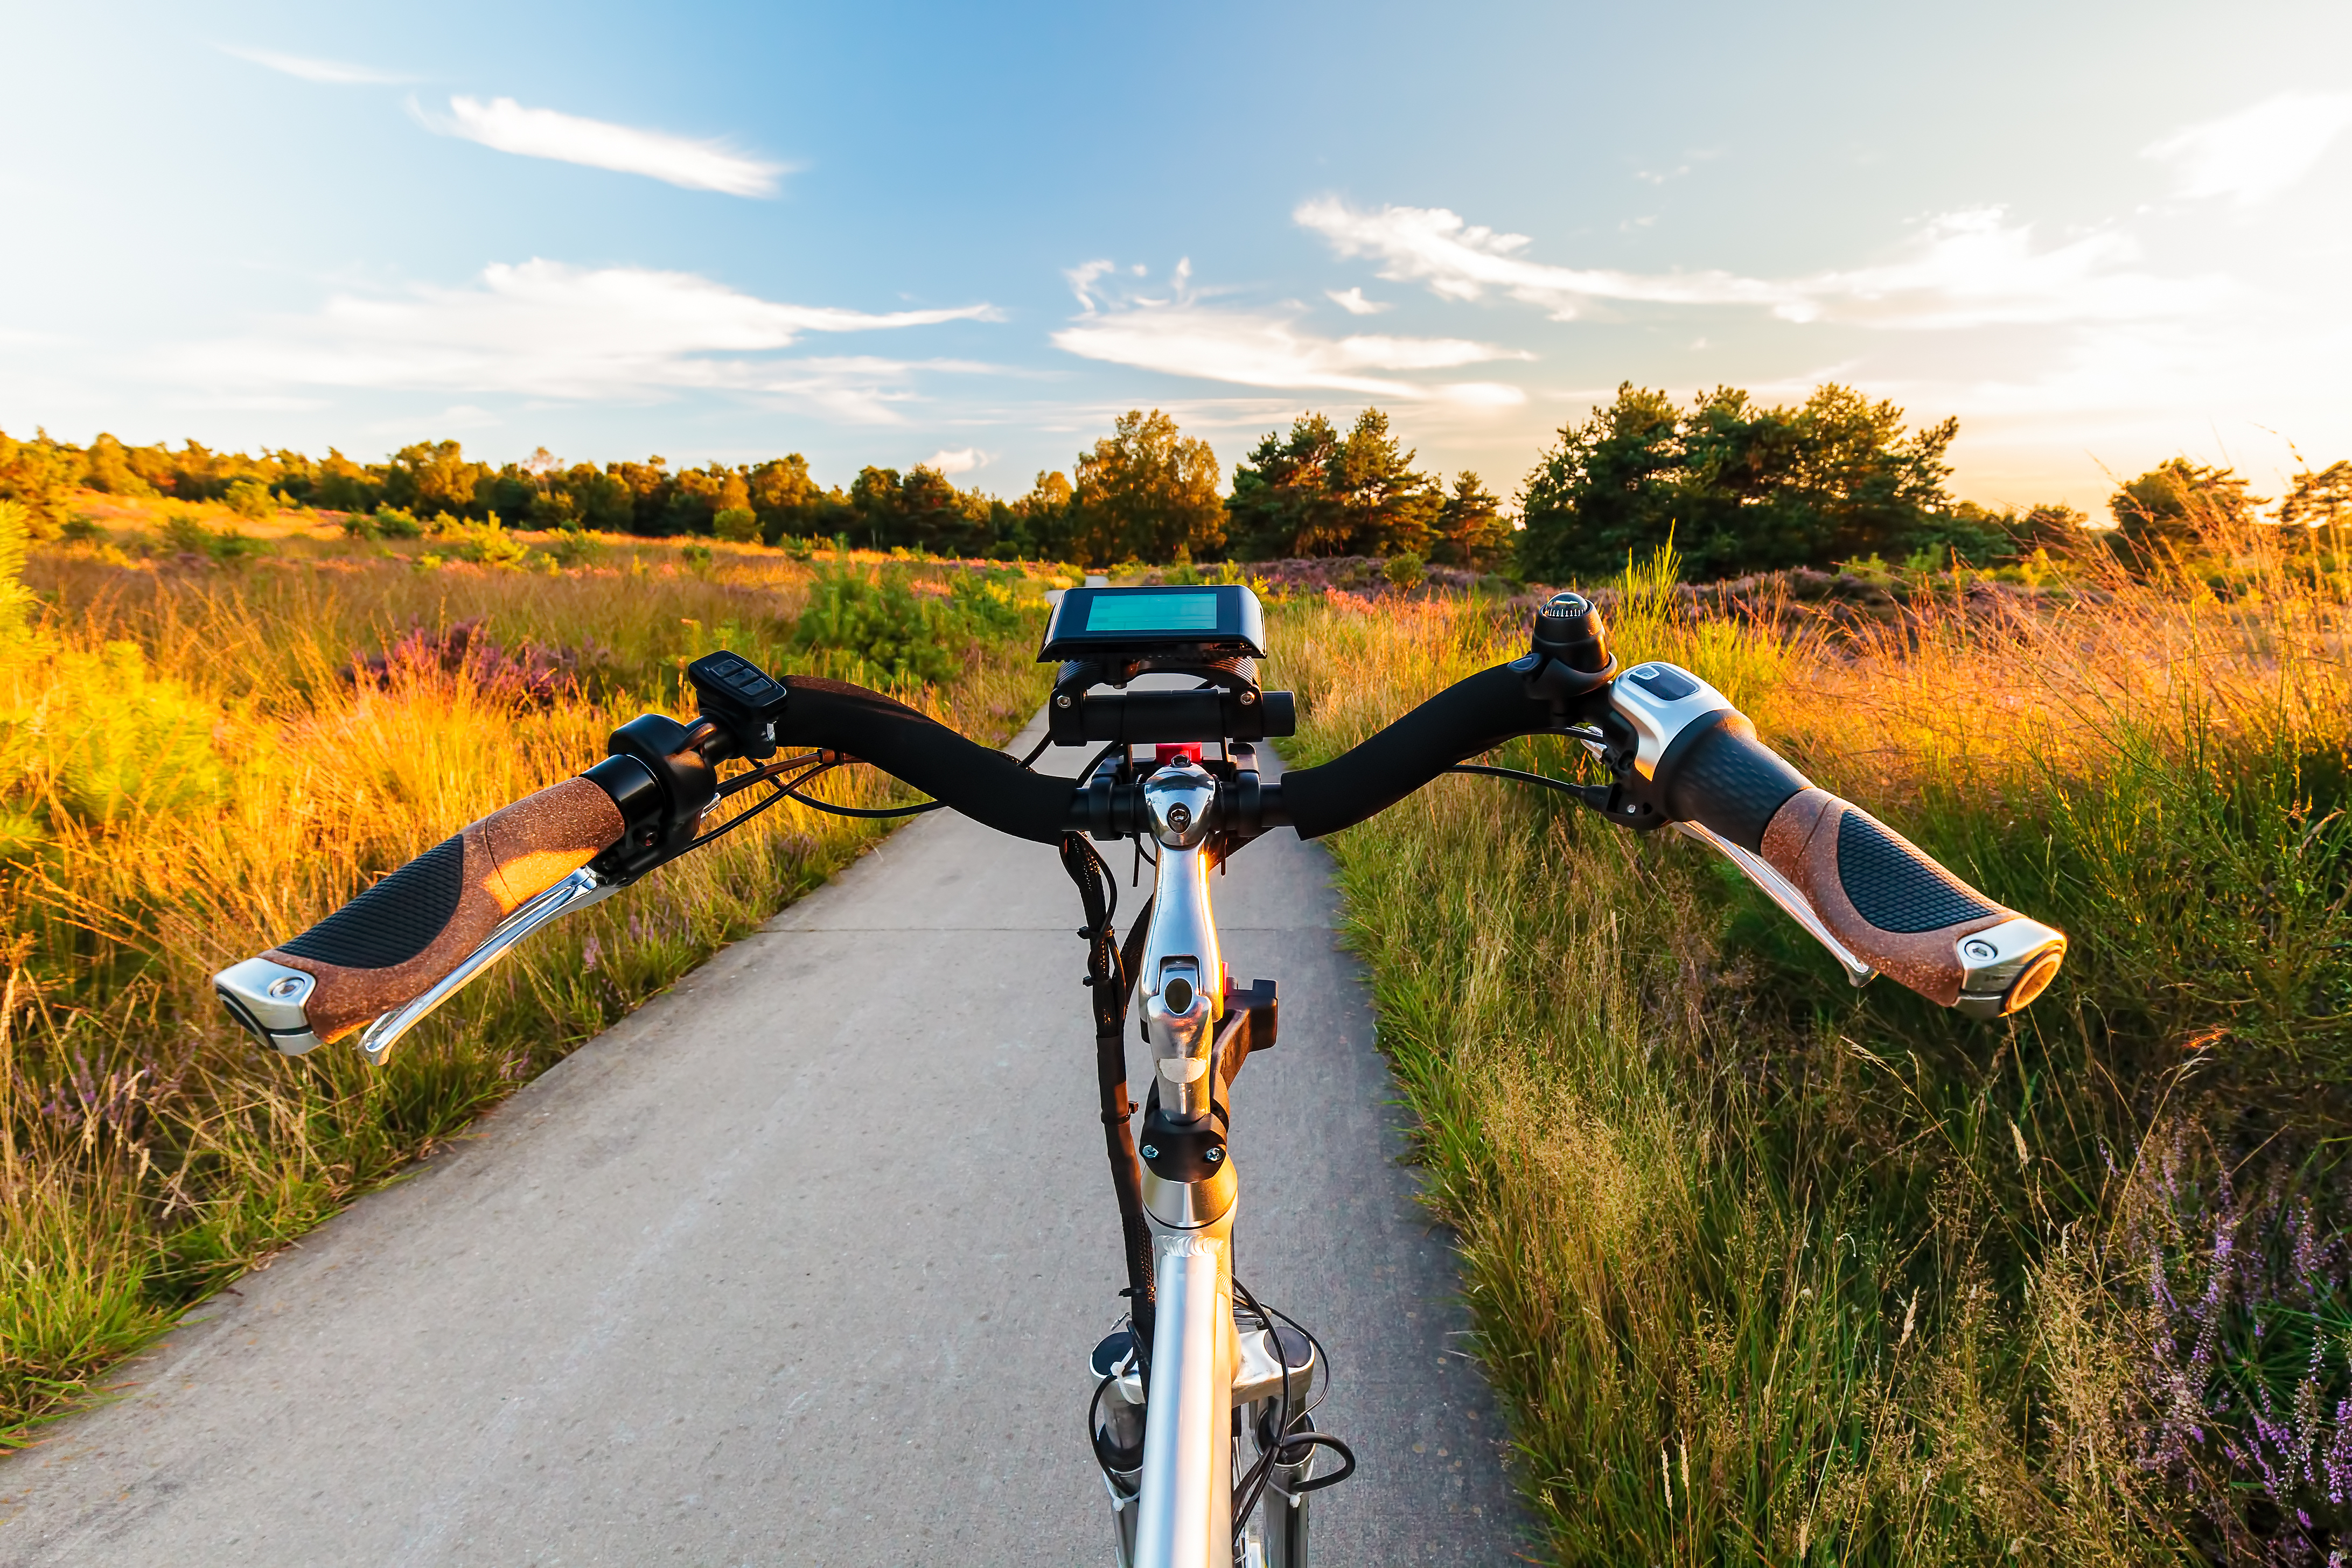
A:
(1735, 485)
(1145, 492)
(1738, 487)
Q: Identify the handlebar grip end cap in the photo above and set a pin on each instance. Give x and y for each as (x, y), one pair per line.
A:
(2007, 966)
(267, 1000)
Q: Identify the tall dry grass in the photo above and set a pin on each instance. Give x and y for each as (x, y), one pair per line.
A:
(193, 772)
(1772, 1270)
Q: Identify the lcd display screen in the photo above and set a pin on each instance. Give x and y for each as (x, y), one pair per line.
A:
(1153, 612)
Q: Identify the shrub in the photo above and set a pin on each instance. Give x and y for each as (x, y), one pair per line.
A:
(883, 624)
(484, 544)
(465, 653)
(251, 498)
(395, 523)
(576, 547)
(185, 533)
(737, 525)
(1404, 572)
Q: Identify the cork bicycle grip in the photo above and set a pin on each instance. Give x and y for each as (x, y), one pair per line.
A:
(391, 944)
(1900, 912)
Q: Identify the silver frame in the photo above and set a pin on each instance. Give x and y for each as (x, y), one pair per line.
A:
(1176, 1509)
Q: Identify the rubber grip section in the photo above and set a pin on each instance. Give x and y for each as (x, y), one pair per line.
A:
(1726, 781)
(980, 781)
(1883, 895)
(388, 946)
(1470, 716)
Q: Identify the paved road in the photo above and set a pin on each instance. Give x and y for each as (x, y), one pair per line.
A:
(800, 1264)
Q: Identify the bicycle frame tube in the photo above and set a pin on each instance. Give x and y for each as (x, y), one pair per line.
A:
(1184, 1507)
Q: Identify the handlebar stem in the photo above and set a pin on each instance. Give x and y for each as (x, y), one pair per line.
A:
(1181, 987)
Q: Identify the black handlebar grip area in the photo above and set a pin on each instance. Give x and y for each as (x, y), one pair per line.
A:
(390, 944)
(1886, 899)
(980, 781)
(1471, 716)
(1718, 775)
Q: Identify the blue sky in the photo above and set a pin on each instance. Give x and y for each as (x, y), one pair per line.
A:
(2099, 233)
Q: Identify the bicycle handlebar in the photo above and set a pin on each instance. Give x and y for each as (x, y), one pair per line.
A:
(1682, 753)
(1472, 715)
(976, 780)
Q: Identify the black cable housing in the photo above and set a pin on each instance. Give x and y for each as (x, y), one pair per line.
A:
(870, 812)
(1110, 975)
(1594, 795)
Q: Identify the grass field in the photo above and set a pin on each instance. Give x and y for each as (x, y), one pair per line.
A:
(1766, 1270)
(211, 737)
(1770, 1271)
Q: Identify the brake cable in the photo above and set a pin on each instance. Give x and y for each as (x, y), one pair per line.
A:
(1595, 795)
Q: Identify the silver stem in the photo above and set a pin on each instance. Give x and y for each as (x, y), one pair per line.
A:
(1181, 987)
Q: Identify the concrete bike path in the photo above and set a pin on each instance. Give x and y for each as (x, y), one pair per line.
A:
(799, 1265)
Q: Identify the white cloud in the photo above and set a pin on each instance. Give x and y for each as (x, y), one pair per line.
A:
(1975, 269)
(1961, 269)
(1263, 349)
(1353, 302)
(332, 72)
(1461, 261)
(1083, 278)
(508, 126)
(1178, 334)
(2257, 152)
(547, 329)
(960, 460)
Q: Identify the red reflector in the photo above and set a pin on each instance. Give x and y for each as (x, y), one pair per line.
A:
(1169, 751)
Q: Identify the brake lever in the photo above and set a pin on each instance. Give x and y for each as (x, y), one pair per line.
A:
(578, 891)
(1792, 903)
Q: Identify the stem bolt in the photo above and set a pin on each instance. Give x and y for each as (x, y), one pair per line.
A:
(1150, 1151)
(1213, 1154)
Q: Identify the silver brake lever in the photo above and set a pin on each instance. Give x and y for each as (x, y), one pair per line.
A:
(578, 891)
(1781, 891)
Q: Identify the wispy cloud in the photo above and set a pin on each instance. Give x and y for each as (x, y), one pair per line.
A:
(1961, 269)
(1353, 302)
(1177, 333)
(508, 126)
(544, 328)
(335, 73)
(2258, 153)
(957, 460)
(1083, 278)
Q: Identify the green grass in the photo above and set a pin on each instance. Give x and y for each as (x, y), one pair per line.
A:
(1769, 1271)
